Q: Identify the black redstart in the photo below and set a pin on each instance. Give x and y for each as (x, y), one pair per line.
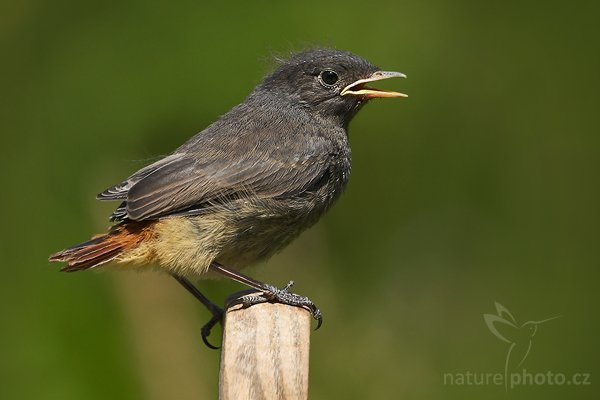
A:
(247, 185)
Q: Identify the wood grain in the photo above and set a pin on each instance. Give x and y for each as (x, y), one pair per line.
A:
(265, 353)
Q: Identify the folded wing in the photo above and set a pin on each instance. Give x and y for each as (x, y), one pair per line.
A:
(207, 174)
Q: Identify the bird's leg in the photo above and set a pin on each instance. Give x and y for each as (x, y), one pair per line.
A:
(268, 293)
(216, 311)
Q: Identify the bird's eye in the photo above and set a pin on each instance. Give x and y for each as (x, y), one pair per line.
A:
(328, 77)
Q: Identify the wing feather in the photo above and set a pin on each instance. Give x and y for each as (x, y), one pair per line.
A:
(205, 174)
(120, 190)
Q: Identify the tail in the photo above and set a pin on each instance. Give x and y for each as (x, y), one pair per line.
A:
(102, 249)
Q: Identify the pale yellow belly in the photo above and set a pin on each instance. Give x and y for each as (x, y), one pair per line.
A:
(188, 245)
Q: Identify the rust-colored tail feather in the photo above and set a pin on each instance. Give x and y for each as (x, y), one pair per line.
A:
(101, 249)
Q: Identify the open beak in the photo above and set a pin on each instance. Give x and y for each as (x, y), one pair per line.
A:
(359, 88)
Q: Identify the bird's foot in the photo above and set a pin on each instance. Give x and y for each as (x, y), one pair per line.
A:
(215, 310)
(206, 328)
(273, 294)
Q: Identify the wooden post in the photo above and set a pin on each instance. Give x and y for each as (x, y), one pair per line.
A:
(265, 353)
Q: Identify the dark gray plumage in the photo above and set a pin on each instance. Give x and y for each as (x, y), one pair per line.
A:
(244, 187)
(286, 139)
(247, 185)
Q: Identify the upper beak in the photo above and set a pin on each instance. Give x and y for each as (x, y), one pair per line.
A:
(546, 320)
(359, 87)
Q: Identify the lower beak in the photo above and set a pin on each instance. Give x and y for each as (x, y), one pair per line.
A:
(359, 87)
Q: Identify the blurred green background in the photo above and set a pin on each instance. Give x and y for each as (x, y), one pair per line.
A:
(482, 186)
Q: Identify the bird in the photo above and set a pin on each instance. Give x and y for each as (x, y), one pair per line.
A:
(244, 187)
(520, 336)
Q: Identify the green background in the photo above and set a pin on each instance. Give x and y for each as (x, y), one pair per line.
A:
(482, 186)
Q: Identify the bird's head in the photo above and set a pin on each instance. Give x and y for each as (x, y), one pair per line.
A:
(330, 83)
(532, 326)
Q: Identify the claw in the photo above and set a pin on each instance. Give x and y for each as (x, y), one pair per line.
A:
(206, 329)
(317, 315)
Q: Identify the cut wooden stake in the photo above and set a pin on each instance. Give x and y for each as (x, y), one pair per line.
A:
(265, 352)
